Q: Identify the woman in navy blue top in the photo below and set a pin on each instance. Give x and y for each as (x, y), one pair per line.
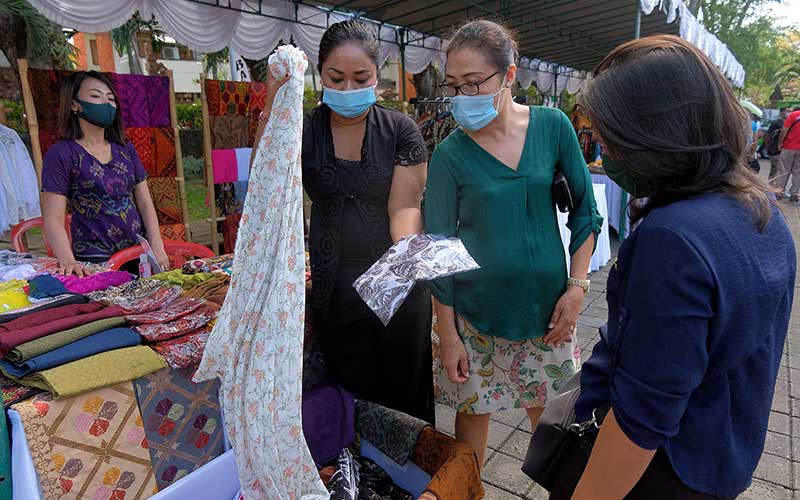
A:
(700, 296)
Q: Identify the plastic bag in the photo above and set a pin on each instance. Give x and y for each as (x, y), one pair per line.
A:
(387, 284)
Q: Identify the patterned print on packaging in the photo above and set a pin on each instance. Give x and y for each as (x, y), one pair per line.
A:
(182, 422)
(256, 346)
(89, 446)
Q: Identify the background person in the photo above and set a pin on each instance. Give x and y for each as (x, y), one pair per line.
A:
(98, 174)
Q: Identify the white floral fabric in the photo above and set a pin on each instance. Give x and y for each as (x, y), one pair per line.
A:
(256, 346)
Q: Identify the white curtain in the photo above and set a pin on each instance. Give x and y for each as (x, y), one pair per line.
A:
(90, 16)
(202, 28)
(258, 35)
(422, 53)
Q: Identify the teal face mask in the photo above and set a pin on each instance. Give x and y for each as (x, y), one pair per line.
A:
(473, 112)
(623, 179)
(349, 103)
(101, 115)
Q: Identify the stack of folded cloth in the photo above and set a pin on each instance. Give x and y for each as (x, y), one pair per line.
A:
(70, 349)
(172, 320)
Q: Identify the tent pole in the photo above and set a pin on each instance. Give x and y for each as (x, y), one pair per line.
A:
(637, 27)
(403, 66)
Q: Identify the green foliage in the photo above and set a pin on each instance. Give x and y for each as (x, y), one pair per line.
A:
(212, 60)
(27, 33)
(190, 115)
(193, 167)
(15, 112)
(309, 99)
(762, 46)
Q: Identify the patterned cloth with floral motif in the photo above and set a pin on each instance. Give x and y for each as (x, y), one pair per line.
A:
(182, 422)
(90, 446)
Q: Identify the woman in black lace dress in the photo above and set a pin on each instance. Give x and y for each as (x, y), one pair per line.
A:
(364, 167)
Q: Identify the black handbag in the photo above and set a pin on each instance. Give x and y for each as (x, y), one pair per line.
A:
(557, 435)
(561, 193)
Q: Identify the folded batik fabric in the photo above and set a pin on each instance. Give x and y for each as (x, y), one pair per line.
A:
(43, 305)
(53, 341)
(107, 340)
(90, 446)
(185, 351)
(99, 370)
(139, 303)
(157, 332)
(175, 310)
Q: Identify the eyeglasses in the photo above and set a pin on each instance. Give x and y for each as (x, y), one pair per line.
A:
(468, 88)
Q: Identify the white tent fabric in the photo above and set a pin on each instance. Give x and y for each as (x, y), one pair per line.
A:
(206, 28)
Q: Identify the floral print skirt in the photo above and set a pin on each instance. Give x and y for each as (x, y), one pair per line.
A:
(506, 374)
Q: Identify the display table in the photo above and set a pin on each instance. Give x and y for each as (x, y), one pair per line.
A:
(617, 203)
(602, 253)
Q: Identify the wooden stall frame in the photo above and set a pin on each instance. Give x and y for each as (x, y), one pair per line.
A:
(179, 174)
(33, 129)
(213, 219)
(33, 121)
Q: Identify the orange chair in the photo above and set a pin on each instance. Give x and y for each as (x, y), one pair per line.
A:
(176, 250)
(18, 233)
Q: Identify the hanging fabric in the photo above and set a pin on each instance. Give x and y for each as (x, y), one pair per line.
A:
(256, 346)
(19, 188)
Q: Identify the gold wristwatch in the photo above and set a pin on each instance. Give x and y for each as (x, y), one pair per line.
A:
(579, 283)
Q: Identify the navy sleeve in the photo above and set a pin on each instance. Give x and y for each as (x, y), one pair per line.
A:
(661, 347)
(56, 170)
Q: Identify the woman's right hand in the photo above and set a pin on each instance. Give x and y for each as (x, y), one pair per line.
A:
(454, 359)
(71, 266)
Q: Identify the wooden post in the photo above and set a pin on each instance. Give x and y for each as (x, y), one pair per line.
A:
(212, 202)
(33, 122)
(179, 175)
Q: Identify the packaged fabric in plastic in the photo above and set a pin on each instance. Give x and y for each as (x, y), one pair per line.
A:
(418, 257)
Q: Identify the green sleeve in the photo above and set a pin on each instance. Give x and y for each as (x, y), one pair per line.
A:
(441, 214)
(584, 219)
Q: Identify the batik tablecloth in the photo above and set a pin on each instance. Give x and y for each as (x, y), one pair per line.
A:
(256, 346)
(182, 422)
(90, 446)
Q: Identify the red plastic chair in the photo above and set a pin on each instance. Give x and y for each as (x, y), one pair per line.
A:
(176, 250)
(18, 233)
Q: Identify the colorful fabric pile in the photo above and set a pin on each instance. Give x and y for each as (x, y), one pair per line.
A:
(101, 366)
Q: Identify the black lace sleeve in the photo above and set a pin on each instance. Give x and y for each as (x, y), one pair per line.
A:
(410, 147)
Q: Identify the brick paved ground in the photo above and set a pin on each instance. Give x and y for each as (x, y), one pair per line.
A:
(778, 474)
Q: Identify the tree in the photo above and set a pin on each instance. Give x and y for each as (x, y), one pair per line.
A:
(751, 33)
(24, 32)
(126, 40)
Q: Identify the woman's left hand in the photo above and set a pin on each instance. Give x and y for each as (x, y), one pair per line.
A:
(427, 495)
(161, 255)
(565, 316)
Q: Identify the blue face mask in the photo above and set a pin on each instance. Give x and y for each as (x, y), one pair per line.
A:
(473, 112)
(349, 103)
(101, 115)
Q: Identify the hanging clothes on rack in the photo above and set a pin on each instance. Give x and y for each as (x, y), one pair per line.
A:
(436, 123)
(19, 187)
(256, 346)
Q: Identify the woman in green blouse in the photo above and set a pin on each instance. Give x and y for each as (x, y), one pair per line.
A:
(507, 330)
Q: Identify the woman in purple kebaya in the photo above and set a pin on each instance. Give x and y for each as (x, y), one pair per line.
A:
(95, 172)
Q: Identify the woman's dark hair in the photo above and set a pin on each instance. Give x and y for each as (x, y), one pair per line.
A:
(496, 42)
(670, 119)
(351, 31)
(70, 126)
